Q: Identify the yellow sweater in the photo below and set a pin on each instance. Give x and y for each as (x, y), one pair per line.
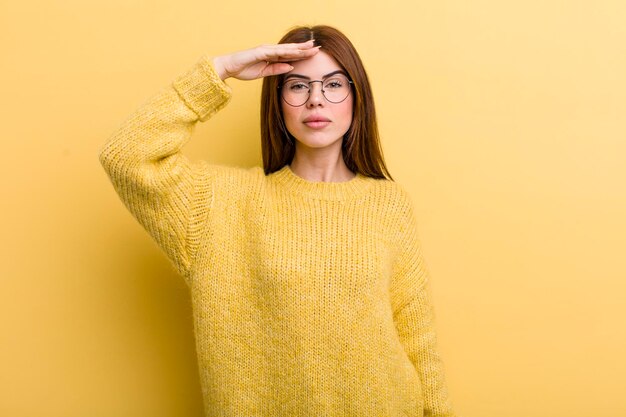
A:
(309, 298)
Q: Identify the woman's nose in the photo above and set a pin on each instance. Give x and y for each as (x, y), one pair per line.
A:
(316, 97)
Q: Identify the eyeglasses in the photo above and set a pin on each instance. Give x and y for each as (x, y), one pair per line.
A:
(296, 92)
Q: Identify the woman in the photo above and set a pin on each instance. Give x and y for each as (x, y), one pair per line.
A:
(309, 291)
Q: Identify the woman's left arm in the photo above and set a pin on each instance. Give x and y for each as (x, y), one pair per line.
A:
(415, 318)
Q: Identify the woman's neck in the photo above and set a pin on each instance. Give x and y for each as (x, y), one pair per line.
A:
(314, 166)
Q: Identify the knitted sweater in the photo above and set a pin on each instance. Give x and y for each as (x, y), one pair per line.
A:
(309, 298)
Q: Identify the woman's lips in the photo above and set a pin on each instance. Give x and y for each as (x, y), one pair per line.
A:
(317, 124)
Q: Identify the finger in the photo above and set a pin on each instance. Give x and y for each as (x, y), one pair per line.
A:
(308, 54)
(306, 44)
(299, 45)
(289, 50)
(291, 55)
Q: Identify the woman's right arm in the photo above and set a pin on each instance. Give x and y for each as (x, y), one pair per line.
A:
(164, 191)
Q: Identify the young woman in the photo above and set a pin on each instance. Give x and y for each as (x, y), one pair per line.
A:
(309, 290)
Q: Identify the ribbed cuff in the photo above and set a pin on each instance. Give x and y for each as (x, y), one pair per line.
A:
(202, 89)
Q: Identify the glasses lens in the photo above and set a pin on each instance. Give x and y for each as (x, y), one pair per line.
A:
(335, 89)
(295, 92)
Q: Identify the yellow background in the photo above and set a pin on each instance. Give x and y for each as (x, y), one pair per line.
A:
(504, 119)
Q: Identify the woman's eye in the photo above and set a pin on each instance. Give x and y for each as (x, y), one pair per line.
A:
(297, 86)
(334, 84)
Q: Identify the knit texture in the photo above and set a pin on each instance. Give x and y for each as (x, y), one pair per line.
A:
(309, 298)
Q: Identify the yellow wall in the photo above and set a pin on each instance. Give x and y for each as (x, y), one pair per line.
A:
(504, 119)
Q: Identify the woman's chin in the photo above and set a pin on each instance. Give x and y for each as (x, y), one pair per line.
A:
(318, 139)
(317, 142)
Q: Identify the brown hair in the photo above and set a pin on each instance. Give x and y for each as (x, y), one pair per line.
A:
(361, 148)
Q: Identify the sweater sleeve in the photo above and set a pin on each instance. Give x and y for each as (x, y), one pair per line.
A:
(415, 318)
(163, 190)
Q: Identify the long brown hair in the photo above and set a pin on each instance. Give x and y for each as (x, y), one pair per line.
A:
(361, 148)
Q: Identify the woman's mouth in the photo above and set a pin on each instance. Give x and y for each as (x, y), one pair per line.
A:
(316, 122)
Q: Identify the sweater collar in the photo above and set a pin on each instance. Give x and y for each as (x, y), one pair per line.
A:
(285, 178)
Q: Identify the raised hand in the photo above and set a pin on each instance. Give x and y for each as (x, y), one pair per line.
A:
(262, 61)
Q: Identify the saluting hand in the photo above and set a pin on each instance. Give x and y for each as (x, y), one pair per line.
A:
(262, 61)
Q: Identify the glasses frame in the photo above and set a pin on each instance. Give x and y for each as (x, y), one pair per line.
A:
(279, 87)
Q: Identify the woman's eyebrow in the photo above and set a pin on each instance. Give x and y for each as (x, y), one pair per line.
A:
(308, 78)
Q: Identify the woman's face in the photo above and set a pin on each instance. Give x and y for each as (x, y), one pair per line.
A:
(338, 116)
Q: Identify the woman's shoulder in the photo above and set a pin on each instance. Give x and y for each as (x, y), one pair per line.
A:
(394, 201)
(391, 191)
